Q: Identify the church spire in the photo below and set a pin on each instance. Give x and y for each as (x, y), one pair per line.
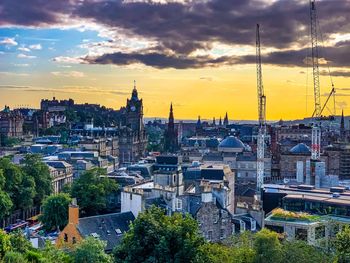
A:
(214, 122)
(220, 122)
(134, 92)
(342, 125)
(171, 116)
(226, 120)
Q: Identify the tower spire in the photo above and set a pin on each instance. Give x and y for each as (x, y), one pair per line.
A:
(226, 119)
(134, 92)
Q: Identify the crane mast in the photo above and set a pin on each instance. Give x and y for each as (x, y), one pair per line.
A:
(316, 130)
(261, 115)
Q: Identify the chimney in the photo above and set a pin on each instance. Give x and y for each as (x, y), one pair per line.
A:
(73, 213)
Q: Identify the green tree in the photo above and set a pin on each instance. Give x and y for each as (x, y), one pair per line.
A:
(243, 251)
(51, 254)
(5, 244)
(301, 252)
(39, 171)
(155, 237)
(91, 250)
(19, 243)
(267, 247)
(342, 244)
(55, 211)
(92, 191)
(214, 253)
(14, 257)
(5, 204)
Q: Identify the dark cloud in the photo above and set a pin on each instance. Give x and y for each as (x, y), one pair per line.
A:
(345, 74)
(159, 60)
(33, 12)
(336, 57)
(178, 26)
(179, 29)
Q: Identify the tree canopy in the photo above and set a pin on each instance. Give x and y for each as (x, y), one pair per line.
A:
(55, 211)
(92, 191)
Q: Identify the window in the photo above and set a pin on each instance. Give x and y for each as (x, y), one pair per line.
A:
(301, 234)
(320, 232)
(74, 240)
(130, 196)
(65, 237)
(210, 235)
(222, 233)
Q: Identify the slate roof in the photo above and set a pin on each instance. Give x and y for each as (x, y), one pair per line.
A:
(232, 142)
(109, 227)
(300, 148)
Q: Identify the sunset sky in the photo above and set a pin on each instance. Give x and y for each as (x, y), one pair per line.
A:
(198, 54)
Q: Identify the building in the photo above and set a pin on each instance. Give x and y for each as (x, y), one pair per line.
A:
(108, 227)
(11, 123)
(132, 135)
(62, 174)
(170, 136)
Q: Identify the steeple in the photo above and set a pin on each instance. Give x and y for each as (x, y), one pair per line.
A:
(134, 92)
(226, 120)
(171, 117)
(214, 122)
(342, 125)
(199, 123)
(220, 122)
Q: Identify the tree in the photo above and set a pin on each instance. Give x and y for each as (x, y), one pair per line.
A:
(91, 250)
(5, 244)
(19, 243)
(39, 171)
(14, 257)
(155, 237)
(267, 247)
(92, 191)
(5, 204)
(55, 211)
(301, 252)
(342, 244)
(51, 254)
(214, 253)
(243, 251)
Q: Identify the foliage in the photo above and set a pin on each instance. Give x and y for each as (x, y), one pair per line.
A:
(342, 244)
(55, 211)
(39, 171)
(5, 204)
(8, 141)
(5, 244)
(14, 257)
(267, 247)
(289, 215)
(51, 254)
(18, 242)
(34, 256)
(155, 237)
(214, 253)
(91, 250)
(301, 252)
(92, 191)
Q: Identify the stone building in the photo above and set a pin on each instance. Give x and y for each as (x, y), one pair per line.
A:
(132, 135)
(11, 123)
(170, 136)
(62, 174)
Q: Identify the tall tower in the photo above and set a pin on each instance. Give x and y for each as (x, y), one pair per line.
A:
(342, 126)
(226, 120)
(171, 144)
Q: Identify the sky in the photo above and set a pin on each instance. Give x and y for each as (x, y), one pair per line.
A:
(197, 54)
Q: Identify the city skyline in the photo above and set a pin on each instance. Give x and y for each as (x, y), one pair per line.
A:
(200, 55)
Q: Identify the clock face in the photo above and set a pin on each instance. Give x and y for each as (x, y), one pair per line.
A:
(133, 108)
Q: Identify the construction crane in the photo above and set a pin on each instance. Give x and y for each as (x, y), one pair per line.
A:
(261, 116)
(316, 129)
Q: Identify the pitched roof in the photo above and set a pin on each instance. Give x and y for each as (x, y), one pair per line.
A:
(109, 227)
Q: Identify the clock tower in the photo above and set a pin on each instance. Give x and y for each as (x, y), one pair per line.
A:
(133, 139)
